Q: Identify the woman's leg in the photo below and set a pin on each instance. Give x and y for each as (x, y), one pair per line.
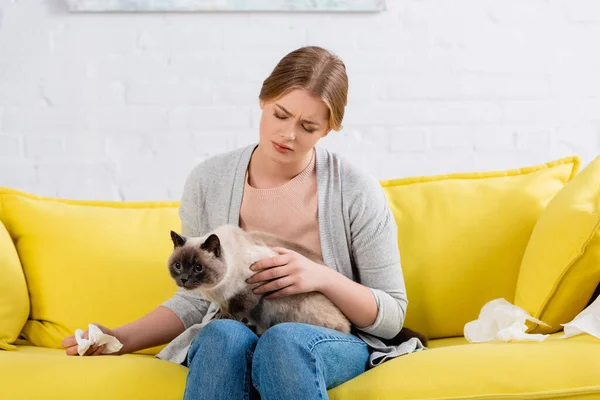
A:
(301, 361)
(219, 362)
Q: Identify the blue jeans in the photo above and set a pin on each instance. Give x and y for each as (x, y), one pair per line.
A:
(289, 361)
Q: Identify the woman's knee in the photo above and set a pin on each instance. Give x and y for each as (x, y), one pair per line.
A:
(222, 334)
(280, 354)
(280, 343)
(282, 335)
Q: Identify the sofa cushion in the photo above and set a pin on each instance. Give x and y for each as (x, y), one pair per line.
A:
(42, 373)
(89, 261)
(561, 265)
(555, 368)
(462, 236)
(450, 369)
(14, 299)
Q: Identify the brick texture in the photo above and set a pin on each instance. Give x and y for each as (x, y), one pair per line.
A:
(122, 106)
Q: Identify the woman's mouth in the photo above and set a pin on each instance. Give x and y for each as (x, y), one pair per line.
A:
(281, 148)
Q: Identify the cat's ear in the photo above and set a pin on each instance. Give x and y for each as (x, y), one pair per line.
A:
(213, 245)
(178, 240)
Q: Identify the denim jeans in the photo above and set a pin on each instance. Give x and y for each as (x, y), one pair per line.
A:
(289, 361)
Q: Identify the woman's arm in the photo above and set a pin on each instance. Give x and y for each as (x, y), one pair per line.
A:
(354, 300)
(374, 246)
(189, 306)
(158, 327)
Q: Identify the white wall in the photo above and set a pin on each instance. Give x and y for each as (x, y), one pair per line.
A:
(121, 106)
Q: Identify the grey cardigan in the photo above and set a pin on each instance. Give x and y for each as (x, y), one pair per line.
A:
(358, 239)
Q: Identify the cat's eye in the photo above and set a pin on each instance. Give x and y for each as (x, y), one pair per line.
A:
(198, 268)
(177, 266)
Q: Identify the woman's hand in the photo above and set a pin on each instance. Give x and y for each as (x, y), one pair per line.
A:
(70, 344)
(292, 273)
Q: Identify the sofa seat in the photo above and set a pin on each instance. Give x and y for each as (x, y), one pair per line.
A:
(450, 369)
(31, 373)
(455, 369)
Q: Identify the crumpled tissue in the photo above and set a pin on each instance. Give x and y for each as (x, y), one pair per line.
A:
(96, 336)
(587, 321)
(501, 321)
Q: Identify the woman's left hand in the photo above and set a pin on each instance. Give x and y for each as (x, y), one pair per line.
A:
(292, 273)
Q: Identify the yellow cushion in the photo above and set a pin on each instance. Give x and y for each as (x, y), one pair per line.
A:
(42, 373)
(462, 236)
(14, 299)
(553, 369)
(89, 261)
(452, 368)
(561, 265)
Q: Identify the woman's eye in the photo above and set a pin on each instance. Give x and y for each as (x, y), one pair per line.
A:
(177, 266)
(279, 116)
(308, 130)
(198, 268)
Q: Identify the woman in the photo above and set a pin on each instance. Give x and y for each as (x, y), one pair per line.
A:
(288, 186)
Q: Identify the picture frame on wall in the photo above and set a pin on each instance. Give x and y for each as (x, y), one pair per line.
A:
(225, 5)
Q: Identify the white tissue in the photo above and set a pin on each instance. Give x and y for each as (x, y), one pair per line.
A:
(587, 321)
(96, 336)
(501, 321)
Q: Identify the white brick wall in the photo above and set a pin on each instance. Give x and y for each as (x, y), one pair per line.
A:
(121, 106)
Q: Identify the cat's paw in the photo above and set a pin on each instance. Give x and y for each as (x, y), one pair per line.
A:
(224, 315)
(249, 324)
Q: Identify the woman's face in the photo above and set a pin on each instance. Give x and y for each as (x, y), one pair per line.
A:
(292, 125)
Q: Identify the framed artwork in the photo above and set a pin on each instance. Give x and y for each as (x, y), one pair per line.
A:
(225, 5)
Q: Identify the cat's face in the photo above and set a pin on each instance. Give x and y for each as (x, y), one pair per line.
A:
(194, 266)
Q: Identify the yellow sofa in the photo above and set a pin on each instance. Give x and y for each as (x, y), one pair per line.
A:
(465, 239)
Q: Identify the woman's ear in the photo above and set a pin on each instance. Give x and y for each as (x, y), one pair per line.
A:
(261, 104)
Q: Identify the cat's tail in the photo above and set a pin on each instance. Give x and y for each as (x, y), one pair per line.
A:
(405, 335)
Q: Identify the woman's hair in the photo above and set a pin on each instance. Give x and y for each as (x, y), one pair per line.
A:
(314, 69)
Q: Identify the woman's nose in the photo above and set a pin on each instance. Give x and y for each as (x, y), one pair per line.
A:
(288, 135)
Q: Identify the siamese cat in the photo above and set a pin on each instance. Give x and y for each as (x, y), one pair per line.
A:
(217, 265)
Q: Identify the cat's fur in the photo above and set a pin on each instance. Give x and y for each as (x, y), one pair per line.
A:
(217, 265)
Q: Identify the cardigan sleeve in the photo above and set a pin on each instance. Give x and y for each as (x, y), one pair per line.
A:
(189, 307)
(374, 246)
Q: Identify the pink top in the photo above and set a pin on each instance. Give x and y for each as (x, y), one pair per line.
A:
(289, 211)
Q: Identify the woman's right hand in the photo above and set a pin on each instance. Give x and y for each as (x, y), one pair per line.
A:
(70, 344)
(156, 328)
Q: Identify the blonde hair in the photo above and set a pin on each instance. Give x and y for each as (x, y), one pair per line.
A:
(314, 69)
